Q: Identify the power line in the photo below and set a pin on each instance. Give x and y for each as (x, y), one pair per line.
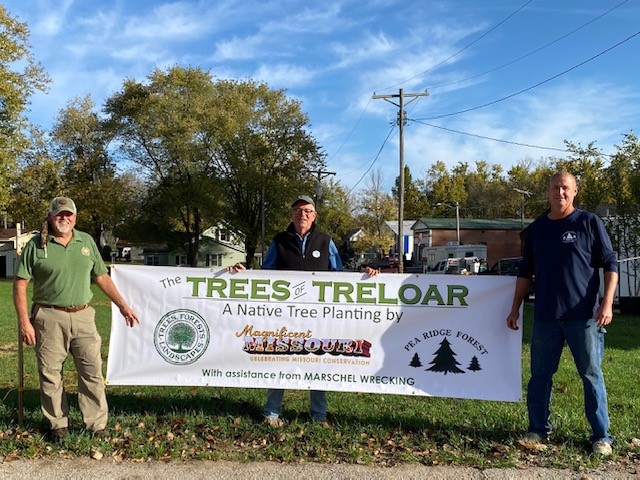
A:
(536, 85)
(459, 51)
(490, 138)
(530, 53)
(483, 137)
(351, 132)
(375, 158)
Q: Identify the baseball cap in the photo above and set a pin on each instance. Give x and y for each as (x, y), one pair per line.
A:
(305, 199)
(62, 204)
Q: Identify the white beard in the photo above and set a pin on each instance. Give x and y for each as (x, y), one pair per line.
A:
(63, 227)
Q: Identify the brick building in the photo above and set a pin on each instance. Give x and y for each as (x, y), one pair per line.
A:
(502, 236)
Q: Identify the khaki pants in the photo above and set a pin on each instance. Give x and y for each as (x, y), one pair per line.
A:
(57, 334)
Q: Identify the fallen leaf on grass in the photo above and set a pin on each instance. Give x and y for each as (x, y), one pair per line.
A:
(635, 442)
(96, 454)
(11, 457)
(532, 447)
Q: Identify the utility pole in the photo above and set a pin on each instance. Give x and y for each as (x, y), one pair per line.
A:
(523, 193)
(320, 174)
(401, 121)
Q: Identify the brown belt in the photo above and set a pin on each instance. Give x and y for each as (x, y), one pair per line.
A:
(66, 309)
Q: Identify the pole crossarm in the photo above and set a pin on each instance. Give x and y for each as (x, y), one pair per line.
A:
(320, 175)
(524, 193)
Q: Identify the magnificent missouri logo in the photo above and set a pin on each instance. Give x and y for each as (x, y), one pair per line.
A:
(181, 337)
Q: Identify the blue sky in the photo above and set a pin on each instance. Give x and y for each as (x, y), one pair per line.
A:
(334, 55)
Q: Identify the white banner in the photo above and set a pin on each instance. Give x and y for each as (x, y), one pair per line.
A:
(433, 335)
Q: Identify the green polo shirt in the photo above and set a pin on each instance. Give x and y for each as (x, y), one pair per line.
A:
(61, 275)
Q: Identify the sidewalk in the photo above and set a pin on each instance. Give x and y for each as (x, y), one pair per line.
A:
(107, 469)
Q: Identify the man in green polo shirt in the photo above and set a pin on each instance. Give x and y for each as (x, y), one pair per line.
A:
(62, 261)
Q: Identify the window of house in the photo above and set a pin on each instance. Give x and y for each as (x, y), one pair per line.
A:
(214, 259)
(153, 260)
(181, 260)
(223, 235)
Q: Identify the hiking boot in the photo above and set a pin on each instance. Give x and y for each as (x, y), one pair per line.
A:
(58, 434)
(98, 434)
(274, 422)
(602, 448)
(324, 422)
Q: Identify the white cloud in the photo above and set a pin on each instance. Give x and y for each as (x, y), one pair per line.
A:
(284, 75)
(239, 48)
(368, 48)
(53, 19)
(175, 21)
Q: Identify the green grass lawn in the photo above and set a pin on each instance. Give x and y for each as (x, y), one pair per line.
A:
(225, 423)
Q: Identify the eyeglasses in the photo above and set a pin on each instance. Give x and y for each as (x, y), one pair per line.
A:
(305, 211)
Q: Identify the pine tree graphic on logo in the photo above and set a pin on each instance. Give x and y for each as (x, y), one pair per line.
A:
(474, 366)
(415, 361)
(445, 360)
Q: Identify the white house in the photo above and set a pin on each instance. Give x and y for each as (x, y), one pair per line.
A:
(12, 241)
(219, 247)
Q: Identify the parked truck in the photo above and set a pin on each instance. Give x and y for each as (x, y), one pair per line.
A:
(471, 255)
(457, 266)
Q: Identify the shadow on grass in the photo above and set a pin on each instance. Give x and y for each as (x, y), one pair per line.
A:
(169, 404)
(209, 408)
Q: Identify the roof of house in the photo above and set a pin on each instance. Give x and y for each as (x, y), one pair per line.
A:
(10, 233)
(470, 224)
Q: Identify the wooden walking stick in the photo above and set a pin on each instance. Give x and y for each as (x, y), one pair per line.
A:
(18, 247)
(20, 378)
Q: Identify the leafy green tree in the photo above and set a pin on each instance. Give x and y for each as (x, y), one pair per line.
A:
(38, 182)
(169, 127)
(263, 155)
(20, 77)
(487, 192)
(531, 176)
(445, 187)
(415, 204)
(588, 167)
(79, 143)
(335, 212)
(213, 150)
(375, 207)
(624, 225)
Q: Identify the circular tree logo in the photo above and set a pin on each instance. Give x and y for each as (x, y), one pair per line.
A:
(181, 337)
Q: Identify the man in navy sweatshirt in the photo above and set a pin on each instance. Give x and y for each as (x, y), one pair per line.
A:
(565, 248)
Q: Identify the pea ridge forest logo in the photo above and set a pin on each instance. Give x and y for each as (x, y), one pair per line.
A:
(443, 358)
(181, 337)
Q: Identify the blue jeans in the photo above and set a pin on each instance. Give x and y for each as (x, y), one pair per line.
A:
(586, 343)
(318, 400)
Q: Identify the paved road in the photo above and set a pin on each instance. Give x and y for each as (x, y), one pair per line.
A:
(106, 469)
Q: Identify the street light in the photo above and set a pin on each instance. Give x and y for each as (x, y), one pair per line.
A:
(457, 205)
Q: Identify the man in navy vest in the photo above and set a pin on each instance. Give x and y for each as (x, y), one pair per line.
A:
(301, 247)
